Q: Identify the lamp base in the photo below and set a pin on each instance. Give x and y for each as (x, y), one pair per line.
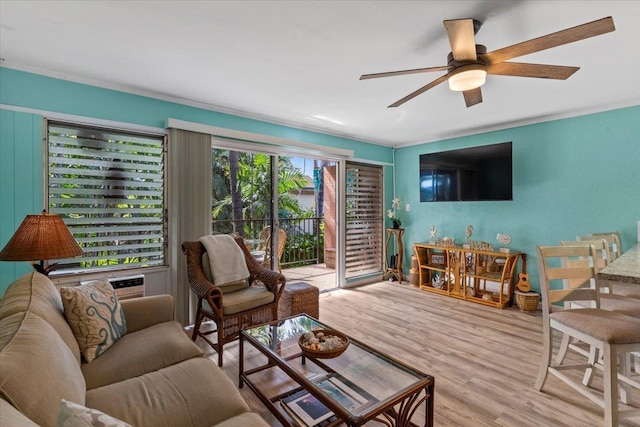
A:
(40, 268)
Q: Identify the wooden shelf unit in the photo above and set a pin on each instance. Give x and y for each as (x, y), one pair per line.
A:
(484, 277)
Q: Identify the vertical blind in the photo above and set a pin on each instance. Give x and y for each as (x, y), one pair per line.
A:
(363, 219)
(108, 186)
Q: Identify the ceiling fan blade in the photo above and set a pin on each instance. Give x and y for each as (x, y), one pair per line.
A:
(520, 69)
(461, 38)
(403, 72)
(472, 97)
(419, 91)
(570, 35)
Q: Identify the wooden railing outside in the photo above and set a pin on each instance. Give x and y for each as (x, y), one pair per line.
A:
(305, 237)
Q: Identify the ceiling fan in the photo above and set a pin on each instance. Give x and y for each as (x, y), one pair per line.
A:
(469, 63)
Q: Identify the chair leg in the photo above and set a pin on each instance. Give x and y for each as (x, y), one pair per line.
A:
(196, 325)
(610, 374)
(589, 372)
(625, 369)
(220, 342)
(564, 346)
(547, 347)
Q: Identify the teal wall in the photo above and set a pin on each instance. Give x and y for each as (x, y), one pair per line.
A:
(21, 148)
(20, 180)
(570, 177)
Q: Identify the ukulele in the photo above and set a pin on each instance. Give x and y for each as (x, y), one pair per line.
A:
(523, 284)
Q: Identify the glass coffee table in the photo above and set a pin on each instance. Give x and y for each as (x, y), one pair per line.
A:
(357, 386)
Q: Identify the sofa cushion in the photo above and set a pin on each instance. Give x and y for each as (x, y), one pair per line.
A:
(248, 419)
(36, 293)
(193, 393)
(74, 415)
(95, 316)
(37, 369)
(137, 353)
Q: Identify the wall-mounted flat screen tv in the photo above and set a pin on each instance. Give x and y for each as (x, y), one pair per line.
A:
(470, 174)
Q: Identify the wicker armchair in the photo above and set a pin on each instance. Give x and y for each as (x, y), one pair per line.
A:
(211, 297)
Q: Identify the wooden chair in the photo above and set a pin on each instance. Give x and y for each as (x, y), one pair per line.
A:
(615, 250)
(246, 305)
(613, 334)
(264, 248)
(612, 238)
(608, 300)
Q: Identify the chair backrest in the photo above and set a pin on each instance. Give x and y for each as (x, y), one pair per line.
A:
(602, 252)
(615, 243)
(263, 237)
(601, 259)
(265, 244)
(282, 239)
(564, 271)
(199, 272)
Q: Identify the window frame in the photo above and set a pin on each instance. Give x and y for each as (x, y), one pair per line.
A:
(117, 129)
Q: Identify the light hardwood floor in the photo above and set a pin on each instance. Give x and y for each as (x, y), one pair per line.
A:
(484, 359)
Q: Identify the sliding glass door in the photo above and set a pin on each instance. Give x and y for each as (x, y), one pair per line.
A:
(258, 195)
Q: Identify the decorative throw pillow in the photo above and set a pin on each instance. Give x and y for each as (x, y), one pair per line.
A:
(95, 316)
(75, 415)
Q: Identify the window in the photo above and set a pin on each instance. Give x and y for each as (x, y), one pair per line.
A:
(364, 213)
(108, 185)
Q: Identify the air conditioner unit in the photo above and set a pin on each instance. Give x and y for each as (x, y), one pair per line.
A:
(126, 286)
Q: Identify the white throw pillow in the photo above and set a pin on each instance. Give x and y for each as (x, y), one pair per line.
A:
(75, 415)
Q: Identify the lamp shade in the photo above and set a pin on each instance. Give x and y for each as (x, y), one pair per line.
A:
(41, 237)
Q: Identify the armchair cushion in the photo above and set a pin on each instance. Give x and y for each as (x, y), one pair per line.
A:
(95, 316)
(246, 299)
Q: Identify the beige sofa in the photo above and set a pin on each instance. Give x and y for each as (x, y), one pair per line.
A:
(154, 375)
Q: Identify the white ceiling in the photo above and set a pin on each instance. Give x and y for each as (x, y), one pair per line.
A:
(298, 62)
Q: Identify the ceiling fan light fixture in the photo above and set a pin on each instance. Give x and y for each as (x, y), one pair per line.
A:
(467, 77)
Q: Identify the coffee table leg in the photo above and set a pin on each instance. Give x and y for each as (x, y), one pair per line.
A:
(241, 361)
(429, 412)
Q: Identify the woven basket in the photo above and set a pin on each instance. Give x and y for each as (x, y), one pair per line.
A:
(317, 354)
(527, 301)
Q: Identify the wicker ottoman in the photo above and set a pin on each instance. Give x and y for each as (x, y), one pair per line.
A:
(297, 298)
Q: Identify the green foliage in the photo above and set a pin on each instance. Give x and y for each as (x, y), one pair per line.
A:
(304, 247)
(254, 179)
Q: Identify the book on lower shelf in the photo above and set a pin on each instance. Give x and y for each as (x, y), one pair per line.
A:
(306, 410)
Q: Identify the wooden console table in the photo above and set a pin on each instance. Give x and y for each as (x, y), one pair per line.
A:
(394, 235)
(484, 277)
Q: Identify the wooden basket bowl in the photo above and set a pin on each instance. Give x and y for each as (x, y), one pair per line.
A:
(327, 354)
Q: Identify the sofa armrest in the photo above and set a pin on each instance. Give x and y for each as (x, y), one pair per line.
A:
(140, 313)
(10, 416)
